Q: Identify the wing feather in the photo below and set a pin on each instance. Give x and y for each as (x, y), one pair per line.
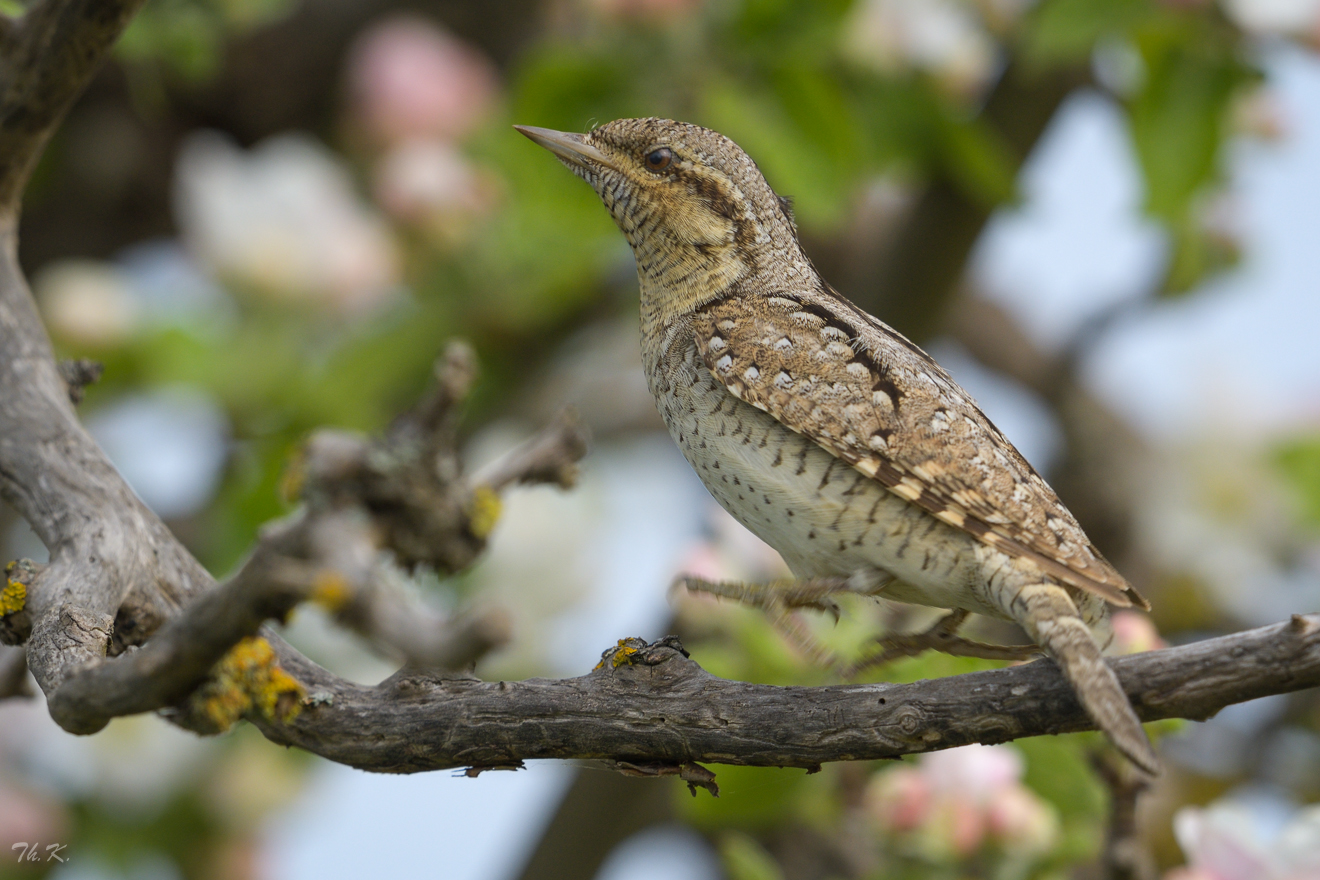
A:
(827, 370)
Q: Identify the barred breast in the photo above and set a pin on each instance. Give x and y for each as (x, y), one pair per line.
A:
(824, 517)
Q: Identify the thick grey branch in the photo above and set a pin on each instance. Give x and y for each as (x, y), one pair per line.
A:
(179, 656)
(110, 555)
(657, 706)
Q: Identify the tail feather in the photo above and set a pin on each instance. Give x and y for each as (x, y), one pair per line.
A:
(1047, 613)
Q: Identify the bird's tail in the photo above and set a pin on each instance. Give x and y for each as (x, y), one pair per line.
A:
(1048, 614)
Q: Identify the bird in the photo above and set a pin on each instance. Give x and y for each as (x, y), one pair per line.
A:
(827, 433)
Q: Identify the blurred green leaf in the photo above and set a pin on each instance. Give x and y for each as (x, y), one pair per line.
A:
(1059, 770)
(978, 161)
(1067, 30)
(1179, 120)
(745, 859)
(569, 89)
(186, 37)
(753, 798)
(1299, 461)
(795, 161)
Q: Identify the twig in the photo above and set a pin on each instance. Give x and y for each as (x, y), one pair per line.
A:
(1124, 857)
(941, 636)
(549, 457)
(422, 639)
(78, 374)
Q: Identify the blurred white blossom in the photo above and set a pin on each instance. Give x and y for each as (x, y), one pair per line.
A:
(941, 37)
(283, 221)
(1217, 511)
(1274, 16)
(87, 303)
(408, 78)
(1225, 841)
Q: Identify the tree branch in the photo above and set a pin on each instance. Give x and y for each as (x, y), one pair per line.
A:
(657, 706)
(47, 58)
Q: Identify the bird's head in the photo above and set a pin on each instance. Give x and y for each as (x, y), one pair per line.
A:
(695, 208)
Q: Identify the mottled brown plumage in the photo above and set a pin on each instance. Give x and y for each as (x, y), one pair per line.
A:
(826, 432)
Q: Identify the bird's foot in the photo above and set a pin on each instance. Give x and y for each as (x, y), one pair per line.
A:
(791, 593)
(781, 599)
(941, 636)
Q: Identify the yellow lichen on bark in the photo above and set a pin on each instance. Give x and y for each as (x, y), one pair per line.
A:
(623, 653)
(331, 590)
(247, 680)
(13, 597)
(483, 511)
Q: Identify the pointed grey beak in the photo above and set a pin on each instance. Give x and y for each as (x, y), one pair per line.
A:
(567, 146)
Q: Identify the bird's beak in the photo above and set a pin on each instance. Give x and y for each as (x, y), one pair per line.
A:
(567, 146)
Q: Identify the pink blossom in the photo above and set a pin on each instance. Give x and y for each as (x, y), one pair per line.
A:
(88, 303)
(1189, 874)
(1135, 632)
(975, 772)
(704, 562)
(1021, 821)
(900, 800)
(963, 826)
(955, 802)
(942, 37)
(430, 184)
(1269, 17)
(408, 78)
(27, 817)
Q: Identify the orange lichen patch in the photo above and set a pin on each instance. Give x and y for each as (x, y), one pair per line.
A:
(247, 680)
(331, 590)
(483, 511)
(13, 597)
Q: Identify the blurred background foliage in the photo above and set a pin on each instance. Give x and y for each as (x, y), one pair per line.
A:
(267, 216)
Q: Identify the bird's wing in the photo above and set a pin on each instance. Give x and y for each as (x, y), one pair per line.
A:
(829, 371)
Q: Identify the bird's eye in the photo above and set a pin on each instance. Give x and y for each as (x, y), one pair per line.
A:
(659, 160)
